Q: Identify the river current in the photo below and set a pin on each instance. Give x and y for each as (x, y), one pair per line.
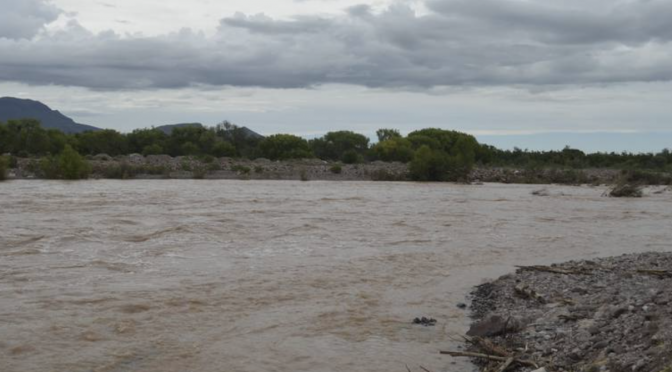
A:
(227, 276)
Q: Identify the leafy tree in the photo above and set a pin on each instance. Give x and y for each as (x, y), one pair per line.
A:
(245, 144)
(334, 145)
(180, 137)
(189, 148)
(285, 146)
(429, 165)
(140, 139)
(387, 134)
(394, 149)
(105, 141)
(223, 149)
(153, 149)
(71, 165)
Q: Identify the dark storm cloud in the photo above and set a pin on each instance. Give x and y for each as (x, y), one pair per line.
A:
(459, 42)
(25, 18)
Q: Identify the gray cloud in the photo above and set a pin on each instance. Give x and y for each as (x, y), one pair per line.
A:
(459, 43)
(25, 18)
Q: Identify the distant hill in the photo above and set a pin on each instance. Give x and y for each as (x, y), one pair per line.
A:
(168, 129)
(15, 108)
(249, 133)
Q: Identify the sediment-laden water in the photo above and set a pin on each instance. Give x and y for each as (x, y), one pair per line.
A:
(176, 276)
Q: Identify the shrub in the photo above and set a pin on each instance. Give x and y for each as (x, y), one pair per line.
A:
(154, 149)
(186, 165)
(213, 167)
(304, 175)
(199, 173)
(240, 169)
(71, 165)
(258, 169)
(352, 157)
(645, 178)
(208, 159)
(115, 171)
(4, 165)
(428, 165)
(336, 169)
(48, 168)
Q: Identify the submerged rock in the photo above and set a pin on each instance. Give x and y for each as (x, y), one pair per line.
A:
(427, 322)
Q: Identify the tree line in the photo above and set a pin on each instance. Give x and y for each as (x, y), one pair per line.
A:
(432, 154)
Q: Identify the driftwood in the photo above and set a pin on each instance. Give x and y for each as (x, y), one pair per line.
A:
(658, 273)
(489, 347)
(570, 318)
(553, 270)
(506, 364)
(467, 354)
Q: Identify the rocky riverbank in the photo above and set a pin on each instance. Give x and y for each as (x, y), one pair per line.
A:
(611, 314)
(136, 166)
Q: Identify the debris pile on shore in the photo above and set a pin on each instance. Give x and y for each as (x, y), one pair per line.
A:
(612, 314)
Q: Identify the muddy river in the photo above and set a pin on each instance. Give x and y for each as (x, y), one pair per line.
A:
(180, 276)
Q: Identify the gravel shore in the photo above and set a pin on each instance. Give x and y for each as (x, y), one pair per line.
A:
(610, 314)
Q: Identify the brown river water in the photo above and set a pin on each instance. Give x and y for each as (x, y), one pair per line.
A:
(179, 276)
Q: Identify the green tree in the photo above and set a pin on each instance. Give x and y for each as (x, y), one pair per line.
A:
(71, 165)
(352, 157)
(105, 141)
(429, 165)
(387, 134)
(140, 139)
(181, 136)
(189, 148)
(153, 149)
(334, 145)
(394, 149)
(223, 149)
(285, 146)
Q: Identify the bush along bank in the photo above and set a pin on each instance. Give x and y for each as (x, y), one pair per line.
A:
(610, 315)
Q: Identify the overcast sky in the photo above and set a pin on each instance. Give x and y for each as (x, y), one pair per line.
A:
(531, 71)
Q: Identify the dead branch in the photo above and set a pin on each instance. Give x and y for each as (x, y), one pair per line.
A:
(553, 270)
(658, 273)
(506, 364)
(489, 347)
(489, 357)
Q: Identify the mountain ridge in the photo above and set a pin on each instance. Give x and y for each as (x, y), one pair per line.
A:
(12, 108)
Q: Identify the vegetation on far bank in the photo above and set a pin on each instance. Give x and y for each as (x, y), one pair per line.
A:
(432, 154)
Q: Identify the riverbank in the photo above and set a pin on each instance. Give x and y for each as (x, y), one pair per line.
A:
(166, 167)
(611, 314)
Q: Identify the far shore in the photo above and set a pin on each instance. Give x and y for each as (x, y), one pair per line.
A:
(166, 167)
